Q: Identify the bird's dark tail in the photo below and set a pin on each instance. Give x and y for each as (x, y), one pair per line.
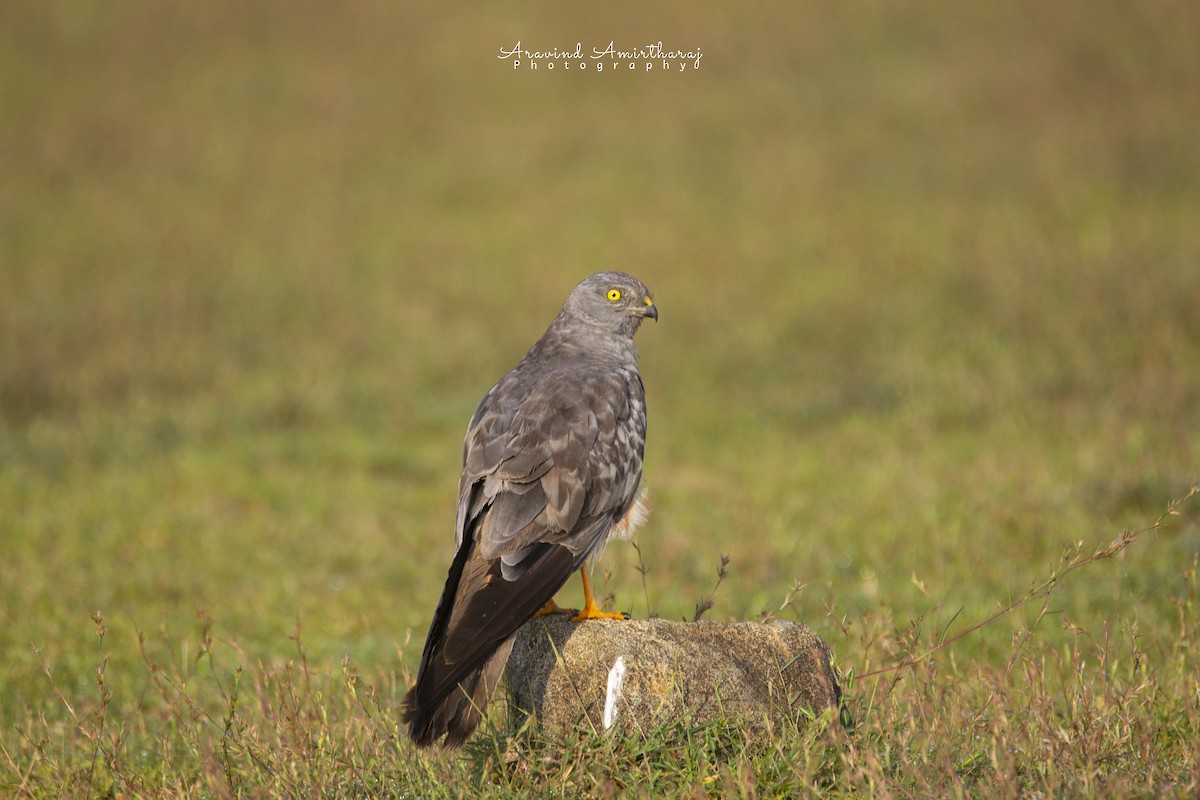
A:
(457, 714)
(472, 635)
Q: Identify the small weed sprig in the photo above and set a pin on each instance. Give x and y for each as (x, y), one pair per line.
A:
(643, 570)
(707, 602)
(797, 587)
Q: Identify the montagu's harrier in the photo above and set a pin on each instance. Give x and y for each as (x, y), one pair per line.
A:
(552, 464)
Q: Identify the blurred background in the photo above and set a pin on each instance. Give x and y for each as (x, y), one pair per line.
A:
(928, 276)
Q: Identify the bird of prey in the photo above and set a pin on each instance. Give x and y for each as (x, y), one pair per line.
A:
(552, 465)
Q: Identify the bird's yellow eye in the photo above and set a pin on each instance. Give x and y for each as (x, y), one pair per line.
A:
(614, 295)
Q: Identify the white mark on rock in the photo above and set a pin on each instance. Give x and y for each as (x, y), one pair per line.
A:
(616, 679)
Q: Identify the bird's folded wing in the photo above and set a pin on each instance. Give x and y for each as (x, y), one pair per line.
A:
(533, 473)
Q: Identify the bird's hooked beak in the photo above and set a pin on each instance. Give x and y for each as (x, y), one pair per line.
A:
(648, 309)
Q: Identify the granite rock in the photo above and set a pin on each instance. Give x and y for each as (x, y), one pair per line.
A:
(635, 675)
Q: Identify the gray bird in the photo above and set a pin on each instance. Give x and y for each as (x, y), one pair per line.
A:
(552, 465)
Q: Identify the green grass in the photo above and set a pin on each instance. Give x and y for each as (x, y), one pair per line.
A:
(929, 282)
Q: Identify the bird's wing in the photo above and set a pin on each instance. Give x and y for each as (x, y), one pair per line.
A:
(553, 467)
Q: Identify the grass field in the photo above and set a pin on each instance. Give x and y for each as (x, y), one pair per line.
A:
(929, 279)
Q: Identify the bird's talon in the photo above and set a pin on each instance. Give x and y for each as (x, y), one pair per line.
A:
(552, 607)
(596, 613)
(591, 610)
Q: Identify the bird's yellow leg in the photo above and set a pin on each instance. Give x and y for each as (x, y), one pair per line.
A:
(590, 609)
(552, 607)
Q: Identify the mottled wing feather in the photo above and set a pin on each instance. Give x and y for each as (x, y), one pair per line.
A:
(514, 512)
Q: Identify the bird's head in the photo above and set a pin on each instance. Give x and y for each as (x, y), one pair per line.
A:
(611, 301)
